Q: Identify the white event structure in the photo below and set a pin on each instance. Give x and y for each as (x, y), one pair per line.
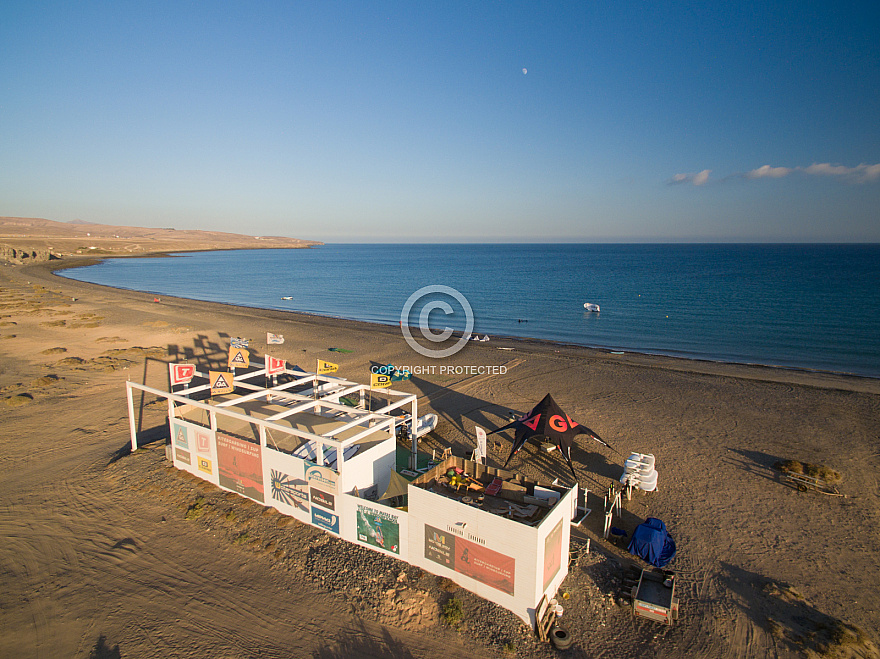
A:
(311, 449)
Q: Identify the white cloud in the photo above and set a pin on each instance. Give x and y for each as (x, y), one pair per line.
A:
(859, 174)
(768, 172)
(693, 179)
(827, 168)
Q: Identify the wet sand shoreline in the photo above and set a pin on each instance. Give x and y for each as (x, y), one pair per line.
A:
(757, 371)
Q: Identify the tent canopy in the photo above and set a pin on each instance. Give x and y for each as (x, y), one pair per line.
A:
(397, 486)
(652, 542)
(548, 420)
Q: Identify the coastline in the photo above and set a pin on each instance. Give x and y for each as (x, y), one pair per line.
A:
(105, 543)
(756, 371)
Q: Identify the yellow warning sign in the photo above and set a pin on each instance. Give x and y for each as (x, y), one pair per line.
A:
(380, 381)
(221, 382)
(239, 358)
(326, 367)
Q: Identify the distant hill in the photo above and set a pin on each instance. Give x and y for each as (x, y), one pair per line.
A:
(39, 237)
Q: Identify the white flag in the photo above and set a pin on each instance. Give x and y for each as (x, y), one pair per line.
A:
(481, 445)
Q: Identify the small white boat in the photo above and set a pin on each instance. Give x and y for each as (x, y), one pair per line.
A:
(589, 306)
(426, 424)
(288, 297)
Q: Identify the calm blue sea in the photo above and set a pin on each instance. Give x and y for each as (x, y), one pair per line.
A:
(804, 306)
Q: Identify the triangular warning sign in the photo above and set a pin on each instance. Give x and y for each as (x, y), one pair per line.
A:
(221, 383)
(239, 358)
(181, 436)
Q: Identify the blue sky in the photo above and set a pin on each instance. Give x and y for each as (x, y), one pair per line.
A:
(481, 121)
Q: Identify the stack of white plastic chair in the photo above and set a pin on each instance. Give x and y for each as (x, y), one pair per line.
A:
(638, 471)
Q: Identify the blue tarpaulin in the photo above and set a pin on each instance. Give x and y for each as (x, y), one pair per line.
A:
(652, 542)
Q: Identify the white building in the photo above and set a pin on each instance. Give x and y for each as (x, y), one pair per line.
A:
(311, 449)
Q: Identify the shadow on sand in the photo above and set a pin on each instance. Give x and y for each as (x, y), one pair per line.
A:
(363, 644)
(790, 620)
(104, 651)
(754, 462)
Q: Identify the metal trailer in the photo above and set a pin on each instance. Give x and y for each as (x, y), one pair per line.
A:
(654, 596)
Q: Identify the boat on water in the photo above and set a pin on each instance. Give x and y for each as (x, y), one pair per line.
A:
(589, 306)
(288, 297)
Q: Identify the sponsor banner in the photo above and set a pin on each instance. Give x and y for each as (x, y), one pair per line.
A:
(552, 554)
(358, 523)
(379, 381)
(274, 339)
(470, 559)
(322, 477)
(325, 520)
(182, 456)
(239, 358)
(182, 373)
(485, 565)
(203, 440)
(378, 528)
(326, 367)
(274, 366)
(181, 436)
(288, 488)
(197, 442)
(240, 466)
(221, 382)
(440, 547)
(322, 499)
(236, 342)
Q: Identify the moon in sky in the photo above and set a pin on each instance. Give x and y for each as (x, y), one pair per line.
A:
(525, 71)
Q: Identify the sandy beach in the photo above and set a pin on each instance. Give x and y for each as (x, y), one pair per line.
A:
(109, 554)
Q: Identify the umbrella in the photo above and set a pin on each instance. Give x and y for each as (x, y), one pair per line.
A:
(548, 420)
